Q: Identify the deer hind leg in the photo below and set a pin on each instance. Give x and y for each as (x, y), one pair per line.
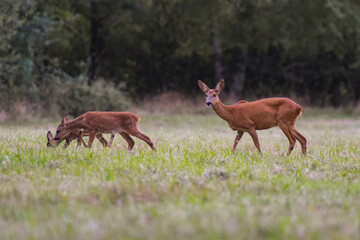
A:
(111, 140)
(128, 139)
(255, 138)
(237, 139)
(286, 130)
(300, 138)
(79, 139)
(136, 133)
(102, 140)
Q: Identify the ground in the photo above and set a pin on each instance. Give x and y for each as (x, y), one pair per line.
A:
(192, 187)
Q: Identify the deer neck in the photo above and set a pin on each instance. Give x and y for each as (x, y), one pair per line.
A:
(75, 125)
(222, 110)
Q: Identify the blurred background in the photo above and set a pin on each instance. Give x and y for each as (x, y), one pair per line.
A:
(71, 56)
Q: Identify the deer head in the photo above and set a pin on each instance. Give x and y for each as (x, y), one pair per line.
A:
(212, 95)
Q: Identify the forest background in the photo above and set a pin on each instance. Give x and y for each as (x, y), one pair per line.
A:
(71, 56)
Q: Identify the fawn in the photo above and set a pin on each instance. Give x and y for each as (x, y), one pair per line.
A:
(95, 123)
(53, 143)
(72, 136)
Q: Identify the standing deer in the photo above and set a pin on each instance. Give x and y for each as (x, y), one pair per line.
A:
(96, 123)
(258, 115)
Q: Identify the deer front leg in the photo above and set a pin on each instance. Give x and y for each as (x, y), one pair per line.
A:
(91, 138)
(80, 140)
(255, 138)
(67, 143)
(237, 139)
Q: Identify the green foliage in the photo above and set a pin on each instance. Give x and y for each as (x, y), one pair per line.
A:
(305, 49)
(100, 96)
(9, 58)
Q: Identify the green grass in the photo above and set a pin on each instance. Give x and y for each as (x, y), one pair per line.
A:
(193, 187)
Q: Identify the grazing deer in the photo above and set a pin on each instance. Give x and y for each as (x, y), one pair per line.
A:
(72, 136)
(258, 115)
(95, 123)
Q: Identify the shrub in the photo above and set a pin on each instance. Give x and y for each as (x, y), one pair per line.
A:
(58, 95)
(80, 97)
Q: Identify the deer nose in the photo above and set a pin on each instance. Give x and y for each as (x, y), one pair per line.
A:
(56, 138)
(208, 104)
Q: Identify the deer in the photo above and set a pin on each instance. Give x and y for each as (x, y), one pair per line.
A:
(96, 123)
(52, 143)
(262, 114)
(72, 136)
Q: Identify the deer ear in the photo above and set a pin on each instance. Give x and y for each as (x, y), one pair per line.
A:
(220, 86)
(50, 139)
(65, 119)
(49, 135)
(203, 86)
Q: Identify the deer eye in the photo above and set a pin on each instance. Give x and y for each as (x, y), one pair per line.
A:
(57, 132)
(214, 95)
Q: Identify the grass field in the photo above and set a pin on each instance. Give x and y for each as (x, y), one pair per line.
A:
(193, 187)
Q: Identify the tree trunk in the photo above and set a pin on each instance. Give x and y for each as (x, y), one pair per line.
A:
(239, 77)
(218, 67)
(96, 40)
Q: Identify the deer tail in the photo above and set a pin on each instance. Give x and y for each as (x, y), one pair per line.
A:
(300, 110)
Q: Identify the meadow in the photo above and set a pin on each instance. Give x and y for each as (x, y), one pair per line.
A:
(192, 187)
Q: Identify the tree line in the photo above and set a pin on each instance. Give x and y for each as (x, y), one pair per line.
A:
(95, 54)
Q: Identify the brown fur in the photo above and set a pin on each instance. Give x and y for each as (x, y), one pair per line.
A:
(72, 136)
(95, 123)
(261, 114)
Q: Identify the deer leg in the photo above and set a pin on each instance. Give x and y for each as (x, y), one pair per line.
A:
(111, 140)
(67, 143)
(255, 138)
(142, 136)
(237, 139)
(78, 137)
(102, 140)
(286, 130)
(78, 142)
(128, 139)
(91, 138)
(300, 138)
